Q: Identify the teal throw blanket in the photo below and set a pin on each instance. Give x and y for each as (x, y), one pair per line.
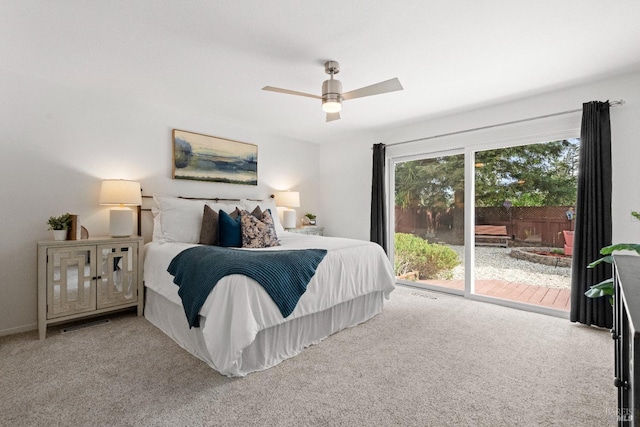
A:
(283, 274)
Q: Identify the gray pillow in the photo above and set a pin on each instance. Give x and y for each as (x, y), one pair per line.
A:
(209, 230)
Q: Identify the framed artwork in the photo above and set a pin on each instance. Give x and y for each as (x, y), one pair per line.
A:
(208, 158)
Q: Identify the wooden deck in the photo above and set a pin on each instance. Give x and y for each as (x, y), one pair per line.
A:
(559, 299)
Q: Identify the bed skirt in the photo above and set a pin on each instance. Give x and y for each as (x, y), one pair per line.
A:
(272, 345)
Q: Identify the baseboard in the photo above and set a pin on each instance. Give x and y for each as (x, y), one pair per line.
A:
(19, 329)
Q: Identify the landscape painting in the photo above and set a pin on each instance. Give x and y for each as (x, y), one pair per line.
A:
(208, 158)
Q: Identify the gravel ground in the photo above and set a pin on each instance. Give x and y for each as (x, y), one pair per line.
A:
(495, 263)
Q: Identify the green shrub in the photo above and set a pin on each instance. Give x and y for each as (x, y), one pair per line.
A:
(431, 260)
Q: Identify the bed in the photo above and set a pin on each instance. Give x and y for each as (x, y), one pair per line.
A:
(240, 328)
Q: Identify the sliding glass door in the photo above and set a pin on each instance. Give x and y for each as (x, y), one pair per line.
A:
(493, 224)
(524, 218)
(428, 229)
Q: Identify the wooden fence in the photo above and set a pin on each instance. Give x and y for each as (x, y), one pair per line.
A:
(527, 226)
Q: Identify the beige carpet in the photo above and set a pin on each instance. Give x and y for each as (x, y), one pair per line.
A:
(428, 360)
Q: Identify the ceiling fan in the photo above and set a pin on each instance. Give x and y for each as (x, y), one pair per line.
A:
(332, 95)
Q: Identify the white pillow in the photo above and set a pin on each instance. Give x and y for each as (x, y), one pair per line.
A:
(157, 224)
(227, 207)
(250, 205)
(181, 219)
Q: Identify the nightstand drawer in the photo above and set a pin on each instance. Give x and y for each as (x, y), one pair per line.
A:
(310, 230)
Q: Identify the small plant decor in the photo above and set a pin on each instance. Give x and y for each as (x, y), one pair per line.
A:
(309, 219)
(62, 222)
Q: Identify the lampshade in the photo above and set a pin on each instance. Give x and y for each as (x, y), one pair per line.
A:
(289, 199)
(120, 192)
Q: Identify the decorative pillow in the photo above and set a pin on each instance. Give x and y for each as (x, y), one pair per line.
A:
(209, 229)
(229, 229)
(258, 232)
(270, 204)
(180, 219)
(257, 212)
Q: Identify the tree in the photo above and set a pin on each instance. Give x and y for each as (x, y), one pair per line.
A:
(429, 182)
(531, 175)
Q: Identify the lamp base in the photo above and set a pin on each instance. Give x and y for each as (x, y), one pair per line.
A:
(120, 222)
(289, 218)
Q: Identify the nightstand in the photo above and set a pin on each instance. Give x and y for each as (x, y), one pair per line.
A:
(81, 278)
(308, 229)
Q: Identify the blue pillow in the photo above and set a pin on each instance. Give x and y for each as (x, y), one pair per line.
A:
(229, 230)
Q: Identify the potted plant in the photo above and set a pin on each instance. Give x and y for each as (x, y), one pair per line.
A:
(59, 225)
(309, 219)
(606, 287)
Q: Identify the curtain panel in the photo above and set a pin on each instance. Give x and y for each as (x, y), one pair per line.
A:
(378, 232)
(593, 216)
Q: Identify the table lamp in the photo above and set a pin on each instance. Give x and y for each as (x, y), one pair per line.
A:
(120, 192)
(288, 200)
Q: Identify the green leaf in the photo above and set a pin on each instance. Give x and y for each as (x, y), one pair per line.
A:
(605, 284)
(594, 293)
(608, 250)
(597, 293)
(601, 289)
(607, 259)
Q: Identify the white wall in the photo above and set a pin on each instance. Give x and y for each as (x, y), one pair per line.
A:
(58, 143)
(346, 165)
(345, 190)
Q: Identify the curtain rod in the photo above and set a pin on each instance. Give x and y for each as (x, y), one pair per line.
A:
(611, 104)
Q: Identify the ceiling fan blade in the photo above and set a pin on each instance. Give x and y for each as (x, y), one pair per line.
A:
(333, 116)
(376, 89)
(290, 92)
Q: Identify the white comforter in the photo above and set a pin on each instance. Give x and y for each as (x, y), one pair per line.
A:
(238, 307)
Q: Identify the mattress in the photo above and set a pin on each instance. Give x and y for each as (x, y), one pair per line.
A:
(239, 321)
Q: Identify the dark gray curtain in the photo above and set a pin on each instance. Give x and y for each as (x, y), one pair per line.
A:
(593, 216)
(378, 215)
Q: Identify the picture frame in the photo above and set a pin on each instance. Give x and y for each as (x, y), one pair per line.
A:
(208, 158)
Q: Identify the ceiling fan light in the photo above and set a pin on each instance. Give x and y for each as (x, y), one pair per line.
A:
(330, 106)
(331, 96)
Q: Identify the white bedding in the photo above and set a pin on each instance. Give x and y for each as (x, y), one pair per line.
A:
(238, 308)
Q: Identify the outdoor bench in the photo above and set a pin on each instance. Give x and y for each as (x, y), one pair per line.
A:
(492, 235)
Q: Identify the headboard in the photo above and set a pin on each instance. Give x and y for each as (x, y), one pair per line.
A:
(145, 217)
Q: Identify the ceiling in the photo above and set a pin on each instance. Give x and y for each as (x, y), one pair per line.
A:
(212, 58)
